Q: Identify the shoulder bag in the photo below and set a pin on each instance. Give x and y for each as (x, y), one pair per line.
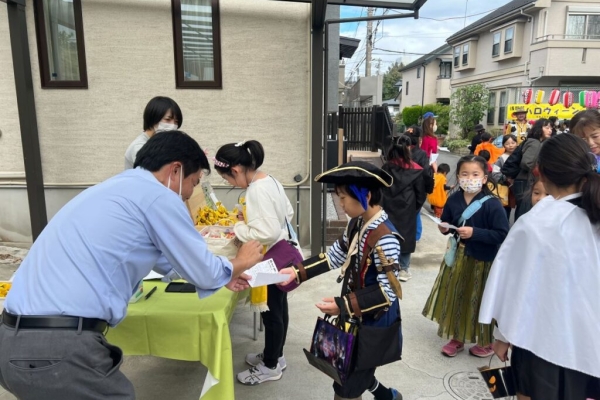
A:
(452, 246)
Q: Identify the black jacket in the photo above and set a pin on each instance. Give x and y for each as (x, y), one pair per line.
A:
(475, 142)
(403, 200)
(420, 157)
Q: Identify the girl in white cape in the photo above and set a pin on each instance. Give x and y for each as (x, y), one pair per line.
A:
(544, 286)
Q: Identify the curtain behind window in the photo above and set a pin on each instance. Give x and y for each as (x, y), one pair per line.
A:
(197, 36)
(61, 40)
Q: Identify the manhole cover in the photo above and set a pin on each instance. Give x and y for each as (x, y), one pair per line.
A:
(467, 386)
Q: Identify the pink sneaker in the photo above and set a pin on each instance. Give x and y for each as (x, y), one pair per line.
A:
(481, 352)
(453, 348)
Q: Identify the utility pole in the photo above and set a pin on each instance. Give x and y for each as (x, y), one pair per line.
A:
(370, 12)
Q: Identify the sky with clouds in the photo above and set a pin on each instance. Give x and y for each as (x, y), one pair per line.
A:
(411, 38)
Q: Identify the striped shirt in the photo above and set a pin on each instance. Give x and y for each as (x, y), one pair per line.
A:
(389, 244)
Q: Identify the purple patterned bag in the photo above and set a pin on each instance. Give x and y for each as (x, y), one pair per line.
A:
(283, 254)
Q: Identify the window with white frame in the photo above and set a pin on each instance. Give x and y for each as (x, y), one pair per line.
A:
(465, 54)
(496, 45)
(509, 36)
(502, 107)
(491, 115)
(445, 70)
(583, 26)
(457, 57)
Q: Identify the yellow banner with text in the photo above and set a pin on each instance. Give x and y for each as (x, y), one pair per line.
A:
(537, 111)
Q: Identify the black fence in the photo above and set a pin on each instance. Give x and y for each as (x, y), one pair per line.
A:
(365, 129)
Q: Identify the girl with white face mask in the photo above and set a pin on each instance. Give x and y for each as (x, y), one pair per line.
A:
(161, 114)
(457, 292)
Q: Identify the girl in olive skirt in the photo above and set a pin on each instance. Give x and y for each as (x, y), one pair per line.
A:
(456, 295)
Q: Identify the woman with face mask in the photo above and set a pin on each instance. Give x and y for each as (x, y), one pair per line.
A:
(481, 228)
(161, 114)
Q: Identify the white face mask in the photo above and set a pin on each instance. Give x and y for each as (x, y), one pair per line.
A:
(180, 182)
(471, 185)
(435, 128)
(164, 127)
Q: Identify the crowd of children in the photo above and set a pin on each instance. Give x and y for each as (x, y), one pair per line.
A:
(496, 285)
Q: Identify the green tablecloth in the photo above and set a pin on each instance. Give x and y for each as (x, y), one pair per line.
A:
(180, 326)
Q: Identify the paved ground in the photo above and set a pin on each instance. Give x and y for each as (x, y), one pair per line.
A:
(422, 374)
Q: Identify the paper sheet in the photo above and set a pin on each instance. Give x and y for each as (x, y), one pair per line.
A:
(265, 273)
(433, 158)
(153, 275)
(440, 223)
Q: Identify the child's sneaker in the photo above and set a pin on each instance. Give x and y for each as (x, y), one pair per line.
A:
(254, 359)
(404, 275)
(397, 395)
(481, 352)
(259, 374)
(453, 348)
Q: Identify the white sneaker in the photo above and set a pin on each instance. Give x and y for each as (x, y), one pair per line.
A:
(254, 359)
(404, 275)
(259, 374)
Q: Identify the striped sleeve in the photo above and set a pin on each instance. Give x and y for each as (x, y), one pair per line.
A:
(337, 256)
(391, 247)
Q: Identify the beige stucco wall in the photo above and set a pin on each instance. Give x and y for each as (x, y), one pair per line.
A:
(495, 73)
(130, 59)
(409, 79)
(415, 93)
(11, 153)
(129, 48)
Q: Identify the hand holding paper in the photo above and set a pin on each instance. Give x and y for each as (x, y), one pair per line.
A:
(440, 223)
(265, 273)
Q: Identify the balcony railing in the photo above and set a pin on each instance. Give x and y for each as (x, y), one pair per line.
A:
(567, 37)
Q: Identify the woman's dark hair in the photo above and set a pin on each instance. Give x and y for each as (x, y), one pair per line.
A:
(376, 193)
(586, 119)
(575, 120)
(157, 108)
(249, 154)
(167, 147)
(417, 131)
(506, 138)
(565, 160)
(486, 137)
(416, 134)
(443, 168)
(428, 126)
(485, 155)
(484, 167)
(399, 151)
(537, 132)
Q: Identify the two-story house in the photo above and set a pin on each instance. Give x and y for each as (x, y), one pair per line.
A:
(427, 79)
(542, 44)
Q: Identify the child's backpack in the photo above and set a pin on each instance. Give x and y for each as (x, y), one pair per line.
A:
(512, 165)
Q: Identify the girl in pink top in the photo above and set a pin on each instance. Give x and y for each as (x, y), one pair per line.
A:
(430, 144)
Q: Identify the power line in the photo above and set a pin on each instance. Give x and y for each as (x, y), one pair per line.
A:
(449, 18)
(414, 54)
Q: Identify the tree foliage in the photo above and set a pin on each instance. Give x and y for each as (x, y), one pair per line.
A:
(469, 104)
(391, 76)
(412, 116)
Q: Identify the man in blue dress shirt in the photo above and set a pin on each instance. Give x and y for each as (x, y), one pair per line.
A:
(82, 270)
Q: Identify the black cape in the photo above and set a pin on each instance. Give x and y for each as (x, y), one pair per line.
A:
(403, 200)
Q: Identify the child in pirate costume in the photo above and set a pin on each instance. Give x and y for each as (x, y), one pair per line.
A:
(367, 257)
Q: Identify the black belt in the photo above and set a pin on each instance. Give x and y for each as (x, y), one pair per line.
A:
(53, 322)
